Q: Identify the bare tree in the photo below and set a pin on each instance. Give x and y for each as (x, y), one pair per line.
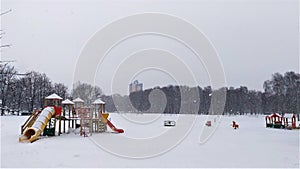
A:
(7, 74)
(86, 92)
(61, 90)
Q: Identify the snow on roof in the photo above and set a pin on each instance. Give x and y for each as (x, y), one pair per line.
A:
(78, 100)
(289, 115)
(98, 101)
(67, 101)
(54, 96)
(275, 114)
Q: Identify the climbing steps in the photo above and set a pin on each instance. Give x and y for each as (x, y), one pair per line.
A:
(102, 127)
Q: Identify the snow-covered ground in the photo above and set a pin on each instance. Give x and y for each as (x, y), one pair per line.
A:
(252, 145)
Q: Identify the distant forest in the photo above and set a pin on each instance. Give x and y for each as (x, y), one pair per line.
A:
(281, 94)
(20, 92)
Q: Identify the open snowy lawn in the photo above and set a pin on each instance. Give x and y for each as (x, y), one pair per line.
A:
(252, 145)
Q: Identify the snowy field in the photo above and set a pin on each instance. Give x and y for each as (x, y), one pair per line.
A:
(252, 145)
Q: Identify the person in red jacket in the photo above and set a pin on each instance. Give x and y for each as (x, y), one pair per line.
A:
(235, 125)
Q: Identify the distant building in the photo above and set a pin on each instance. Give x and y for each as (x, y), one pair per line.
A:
(135, 86)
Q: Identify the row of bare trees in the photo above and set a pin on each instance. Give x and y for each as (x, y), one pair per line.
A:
(25, 91)
(281, 95)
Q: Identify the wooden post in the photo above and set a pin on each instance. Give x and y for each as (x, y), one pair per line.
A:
(73, 126)
(69, 123)
(73, 114)
(81, 126)
(59, 126)
(64, 125)
(91, 123)
(64, 115)
(54, 124)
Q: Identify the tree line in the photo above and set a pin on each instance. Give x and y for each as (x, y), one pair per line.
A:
(281, 94)
(26, 91)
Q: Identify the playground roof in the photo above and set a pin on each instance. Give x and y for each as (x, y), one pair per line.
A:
(98, 101)
(275, 115)
(289, 115)
(67, 101)
(54, 96)
(78, 100)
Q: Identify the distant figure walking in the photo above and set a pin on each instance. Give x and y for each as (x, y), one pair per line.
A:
(235, 125)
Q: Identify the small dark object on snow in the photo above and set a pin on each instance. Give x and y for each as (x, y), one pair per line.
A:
(208, 123)
(169, 123)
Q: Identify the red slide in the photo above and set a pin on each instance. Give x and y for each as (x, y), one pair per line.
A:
(114, 128)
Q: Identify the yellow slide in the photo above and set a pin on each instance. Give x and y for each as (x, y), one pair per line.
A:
(32, 133)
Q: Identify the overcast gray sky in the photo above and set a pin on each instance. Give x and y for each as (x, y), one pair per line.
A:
(254, 38)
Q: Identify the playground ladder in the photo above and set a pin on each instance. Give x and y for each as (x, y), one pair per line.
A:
(102, 126)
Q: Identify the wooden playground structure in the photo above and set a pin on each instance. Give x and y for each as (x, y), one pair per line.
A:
(66, 116)
(93, 119)
(288, 121)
